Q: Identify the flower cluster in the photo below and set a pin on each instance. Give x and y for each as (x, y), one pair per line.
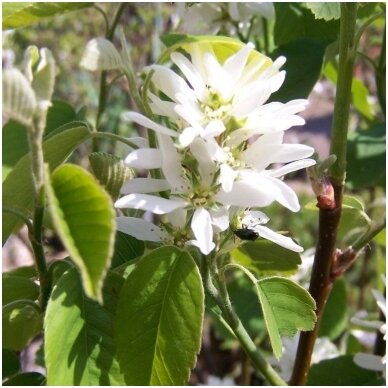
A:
(220, 152)
(210, 18)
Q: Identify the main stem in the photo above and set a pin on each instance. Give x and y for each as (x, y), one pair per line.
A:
(219, 294)
(35, 235)
(321, 280)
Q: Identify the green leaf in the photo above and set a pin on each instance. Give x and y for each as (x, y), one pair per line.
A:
(59, 113)
(14, 146)
(79, 346)
(18, 287)
(287, 308)
(110, 171)
(342, 371)
(366, 158)
(24, 14)
(302, 74)
(335, 316)
(19, 101)
(381, 238)
(101, 54)
(17, 187)
(10, 363)
(361, 99)
(294, 21)
(28, 272)
(83, 217)
(27, 378)
(326, 11)
(126, 249)
(22, 321)
(264, 257)
(159, 319)
(57, 268)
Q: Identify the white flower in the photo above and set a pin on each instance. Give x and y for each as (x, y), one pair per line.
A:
(228, 99)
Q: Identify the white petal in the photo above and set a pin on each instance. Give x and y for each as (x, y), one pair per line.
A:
(187, 136)
(381, 302)
(144, 185)
(283, 193)
(141, 142)
(214, 128)
(283, 241)
(162, 108)
(227, 177)
(147, 158)
(220, 219)
(215, 151)
(218, 78)
(178, 217)
(294, 166)
(243, 194)
(235, 64)
(255, 217)
(154, 204)
(172, 166)
(170, 83)
(189, 111)
(203, 232)
(206, 166)
(369, 361)
(191, 73)
(146, 122)
(141, 229)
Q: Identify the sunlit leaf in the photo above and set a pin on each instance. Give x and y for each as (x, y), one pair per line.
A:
(101, 54)
(84, 352)
(326, 11)
(83, 217)
(22, 321)
(159, 319)
(17, 14)
(287, 308)
(17, 187)
(366, 157)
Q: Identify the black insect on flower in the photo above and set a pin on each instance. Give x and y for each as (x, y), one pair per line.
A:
(244, 233)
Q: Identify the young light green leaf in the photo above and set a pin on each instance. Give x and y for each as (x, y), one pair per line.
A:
(110, 171)
(159, 319)
(17, 14)
(22, 321)
(326, 11)
(19, 101)
(76, 325)
(17, 187)
(18, 287)
(101, 54)
(263, 257)
(44, 78)
(287, 308)
(83, 217)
